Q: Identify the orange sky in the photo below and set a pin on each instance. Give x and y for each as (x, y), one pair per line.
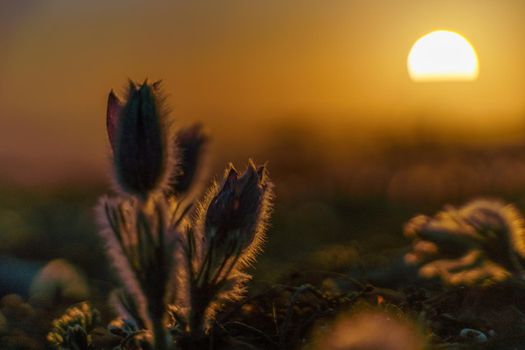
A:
(244, 61)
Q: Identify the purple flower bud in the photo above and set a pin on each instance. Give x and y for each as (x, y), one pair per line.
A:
(238, 209)
(190, 144)
(139, 136)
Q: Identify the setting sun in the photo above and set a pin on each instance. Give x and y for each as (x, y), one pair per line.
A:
(443, 56)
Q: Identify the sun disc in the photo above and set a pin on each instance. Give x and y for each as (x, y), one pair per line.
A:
(443, 56)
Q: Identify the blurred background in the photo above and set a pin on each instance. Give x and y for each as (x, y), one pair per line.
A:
(318, 89)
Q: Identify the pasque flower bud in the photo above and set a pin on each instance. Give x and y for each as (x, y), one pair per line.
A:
(479, 243)
(229, 231)
(190, 146)
(237, 211)
(139, 135)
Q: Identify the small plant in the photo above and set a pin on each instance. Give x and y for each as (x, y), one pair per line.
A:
(480, 243)
(179, 261)
(71, 330)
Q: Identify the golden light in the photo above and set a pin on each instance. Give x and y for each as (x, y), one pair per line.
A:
(443, 56)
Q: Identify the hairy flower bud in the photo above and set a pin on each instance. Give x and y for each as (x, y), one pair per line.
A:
(236, 210)
(139, 136)
(190, 144)
(479, 243)
(228, 233)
